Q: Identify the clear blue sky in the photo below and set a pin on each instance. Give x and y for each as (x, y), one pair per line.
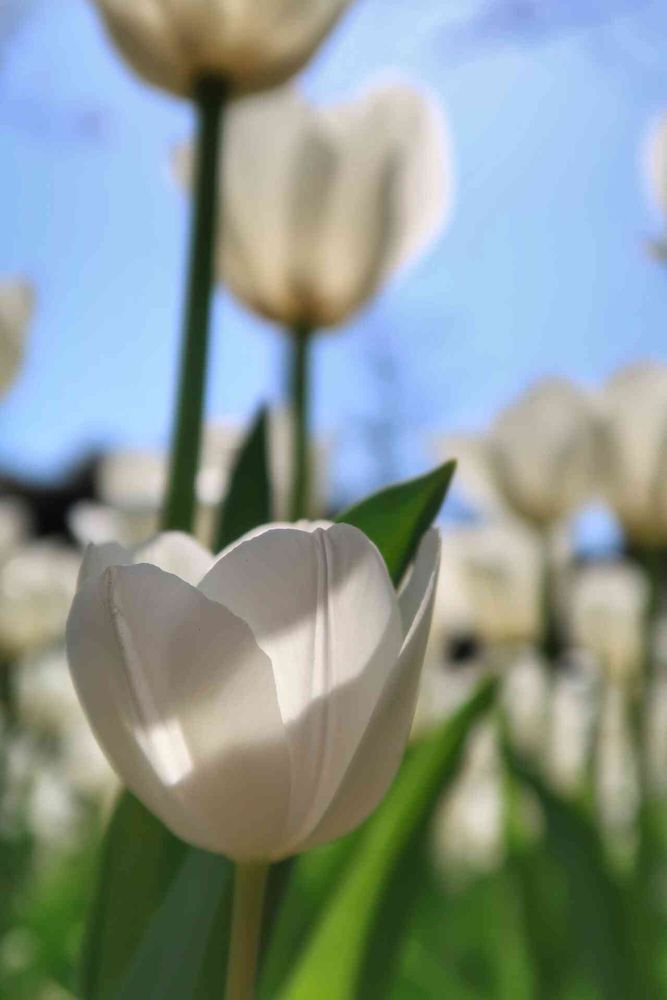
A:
(542, 269)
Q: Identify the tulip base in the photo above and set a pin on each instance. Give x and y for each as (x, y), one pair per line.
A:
(247, 913)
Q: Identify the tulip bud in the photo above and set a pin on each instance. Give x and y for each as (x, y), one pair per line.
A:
(538, 459)
(37, 584)
(609, 604)
(349, 195)
(16, 307)
(258, 702)
(251, 45)
(633, 451)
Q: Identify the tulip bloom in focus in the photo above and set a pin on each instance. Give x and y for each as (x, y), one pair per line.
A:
(258, 702)
(251, 44)
(348, 195)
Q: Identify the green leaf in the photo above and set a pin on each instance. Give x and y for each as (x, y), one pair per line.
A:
(600, 918)
(140, 858)
(350, 953)
(248, 502)
(169, 962)
(397, 517)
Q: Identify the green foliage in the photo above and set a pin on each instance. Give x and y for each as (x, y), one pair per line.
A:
(359, 936)
(248, 502)
(397, 517)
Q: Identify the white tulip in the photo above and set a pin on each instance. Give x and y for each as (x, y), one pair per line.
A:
(15, 525)
(348, 196)
(17, 302)
(608, 607)
(37, 585)
(654, 163)
(538, 459)
(258, 702)
(249, 44)
(501, 566)
(634, 450)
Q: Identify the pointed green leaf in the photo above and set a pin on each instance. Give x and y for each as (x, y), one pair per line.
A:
(397, 517)
(248, 502)
(359, 934)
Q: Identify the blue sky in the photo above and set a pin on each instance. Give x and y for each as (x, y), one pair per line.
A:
(541, 270)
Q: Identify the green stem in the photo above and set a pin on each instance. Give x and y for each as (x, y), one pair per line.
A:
(8, 709)
(180, 502)
(300, 414)
(652, 561)
(247, 910)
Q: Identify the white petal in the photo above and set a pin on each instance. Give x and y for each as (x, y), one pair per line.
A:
(321, 605)
(184, 705)
(146, 38)
(379, 754)
(177, 553)
(97, 558)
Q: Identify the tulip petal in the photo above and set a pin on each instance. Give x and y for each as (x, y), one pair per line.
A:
(379, 754)
(177, 553)
(97, 558)
(183, 702)
(322, 607)
(145, 37)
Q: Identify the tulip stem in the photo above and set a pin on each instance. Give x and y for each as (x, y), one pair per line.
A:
(300, 417)
(180, 502)
(247, 912)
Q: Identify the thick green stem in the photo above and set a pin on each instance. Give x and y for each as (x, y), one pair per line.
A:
(180, 501)
(7, 696)
(300, 414)
(247, 911)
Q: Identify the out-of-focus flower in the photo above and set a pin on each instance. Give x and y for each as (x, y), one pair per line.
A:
(654, 168)
(468, 826)
(569, 728)
(17, 301)
(633, 450)
(259, 703)
(349, 195)
(608, 607)
(525, 696)
(37, 585)
(538, 460)
(617, 786)
(15, 525)
(501, 567)
(249, 44)
(132, 483)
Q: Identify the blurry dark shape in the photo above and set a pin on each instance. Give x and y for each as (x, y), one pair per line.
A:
(49, 502)
(462, 649)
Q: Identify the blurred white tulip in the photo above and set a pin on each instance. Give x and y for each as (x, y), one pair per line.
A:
(569, 730)
(654, 170)
(349, 195)
(37, 585)
(538, 460)
(249, 44)
(260, 702)
(633, 453)
(15, 525)
(131, 484)
(525, 697)
(501, 567)
(607, 613)
(17, 302)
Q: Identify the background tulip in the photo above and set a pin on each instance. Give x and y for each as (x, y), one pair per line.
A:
(17, 302)
(37, 585)
(289, 722)
(633, 453)
(350, 194)
(537, 461)
(608, 609)
(248, 43)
